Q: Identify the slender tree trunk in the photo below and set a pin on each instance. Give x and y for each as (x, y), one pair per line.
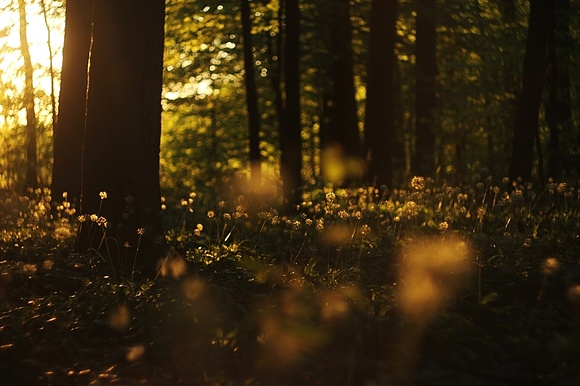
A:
(380, 112)
(559, 106)
(50, 66)
(31, 125)
(291, 143)
(533, 75)
(70, 127)
(423, 161)
(251, 96)
(342, 138)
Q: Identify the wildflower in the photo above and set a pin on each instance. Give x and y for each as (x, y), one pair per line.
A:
(64, 195)
(62, 233)
(358, 215)
(365, 229)
(227, 216)
(506, 180)
(396, 219)
(94, 217)
(320, 224)
(411, 208)
(82, 218)
(184, 202)
(127, 245)
(296, 225)
(343, 214)
(444, 225)
(192, 195)
(199, 227)
(330, 196)
(480, 213)
(101, 221)
(210, 214)
(103, 195)
(140, 231)
(418, 183)
(129, 199)
(308, 221)
(561, 187)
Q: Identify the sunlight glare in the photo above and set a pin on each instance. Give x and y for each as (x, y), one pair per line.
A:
(37, 35)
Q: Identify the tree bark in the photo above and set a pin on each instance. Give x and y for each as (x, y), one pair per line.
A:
(251, 96)
(291, 143)
(559, 106)
(31, 125)
(51, 66)
(423, 161)
(120, 144)
(533, 74)
(380, 112)
(70, 127)
(341, 143)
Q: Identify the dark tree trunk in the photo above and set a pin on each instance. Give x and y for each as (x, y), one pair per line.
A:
(120, 150)
(31, 126)
(291, 144)
(380, 112)
(559, 106)
(70, 128)
(251, 96)
(533, 74)
(342, 137)
(423, 160)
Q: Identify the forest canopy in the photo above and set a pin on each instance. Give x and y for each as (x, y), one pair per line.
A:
(454, 74)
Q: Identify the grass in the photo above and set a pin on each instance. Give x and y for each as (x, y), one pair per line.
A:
(429, 284)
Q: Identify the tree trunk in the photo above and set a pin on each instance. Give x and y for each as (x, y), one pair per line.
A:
(120, 148)
(423, 161)
(70, 127)
(559, 107)
(291, 143)
(533, 75)
(380, 112)
(31, 126)
(51, 66)
(341, 144)
(251, 96)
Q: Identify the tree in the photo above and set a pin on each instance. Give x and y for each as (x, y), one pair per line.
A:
(31, 126)
(558, 108)
(340, 138)
(423, 161)
(251, 96)
(291, 143)
(69, 128)
(379, 119)
(533, 76)
(121, 133)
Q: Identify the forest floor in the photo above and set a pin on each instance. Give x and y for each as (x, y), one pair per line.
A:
(278, 304)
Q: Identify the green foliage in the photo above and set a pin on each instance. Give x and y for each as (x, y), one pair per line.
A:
(429, 282)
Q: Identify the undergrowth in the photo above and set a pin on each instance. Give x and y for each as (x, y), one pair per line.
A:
(427, 284)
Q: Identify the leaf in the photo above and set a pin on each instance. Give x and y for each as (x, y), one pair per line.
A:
(489, 298)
